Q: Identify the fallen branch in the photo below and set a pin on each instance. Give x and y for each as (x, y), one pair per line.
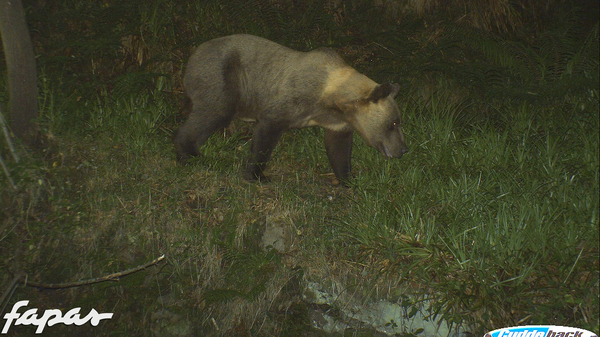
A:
(111, 277)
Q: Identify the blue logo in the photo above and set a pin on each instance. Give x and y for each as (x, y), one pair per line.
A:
(540, 331)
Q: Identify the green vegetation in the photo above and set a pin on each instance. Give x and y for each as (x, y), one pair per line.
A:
(493, 215)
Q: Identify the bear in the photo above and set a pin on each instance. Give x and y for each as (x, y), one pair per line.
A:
(255, 79)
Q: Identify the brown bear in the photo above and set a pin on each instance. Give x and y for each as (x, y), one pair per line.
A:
(255, 79)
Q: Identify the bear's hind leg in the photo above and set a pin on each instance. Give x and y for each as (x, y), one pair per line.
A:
(195, 131)
(264, 140)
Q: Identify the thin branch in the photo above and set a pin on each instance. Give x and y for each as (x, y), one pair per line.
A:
(111, 277)
(9, 291)
(7, 137)
(7, 172)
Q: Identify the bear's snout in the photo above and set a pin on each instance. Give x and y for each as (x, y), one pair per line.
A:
(395, 151)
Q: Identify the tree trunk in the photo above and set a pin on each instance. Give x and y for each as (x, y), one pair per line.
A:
(22, 76)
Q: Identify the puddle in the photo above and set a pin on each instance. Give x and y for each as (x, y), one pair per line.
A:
(335, 313)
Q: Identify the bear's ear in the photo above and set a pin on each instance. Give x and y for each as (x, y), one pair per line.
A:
(383, 91)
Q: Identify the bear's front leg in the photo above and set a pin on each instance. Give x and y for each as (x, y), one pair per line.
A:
(265, 138)
(339, 150)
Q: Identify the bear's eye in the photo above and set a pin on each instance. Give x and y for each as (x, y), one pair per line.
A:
(395, 125)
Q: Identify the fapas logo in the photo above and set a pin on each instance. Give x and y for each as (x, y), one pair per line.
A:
(50, 317)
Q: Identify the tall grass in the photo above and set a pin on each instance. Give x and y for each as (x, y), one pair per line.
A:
(486, 212)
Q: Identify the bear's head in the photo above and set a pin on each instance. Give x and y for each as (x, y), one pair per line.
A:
(376, 117)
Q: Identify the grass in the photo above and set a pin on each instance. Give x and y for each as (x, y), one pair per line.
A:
(497, 223)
